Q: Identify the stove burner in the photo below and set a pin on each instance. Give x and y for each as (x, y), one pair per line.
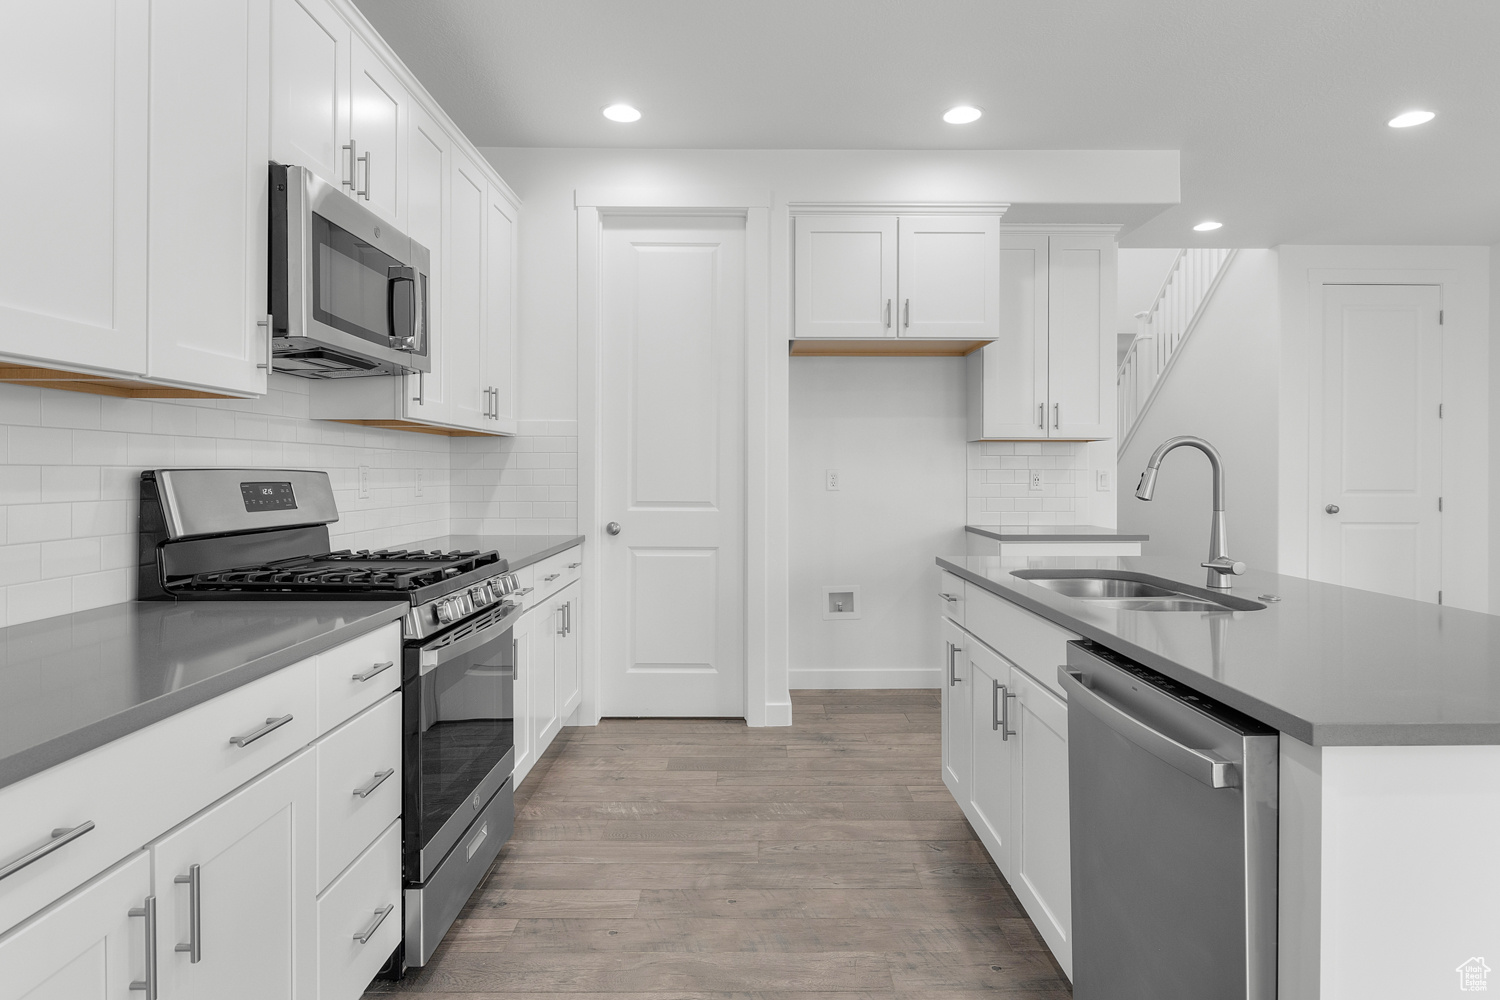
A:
(392, 570)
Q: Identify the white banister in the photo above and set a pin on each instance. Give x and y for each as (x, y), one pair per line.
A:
(1162, 329)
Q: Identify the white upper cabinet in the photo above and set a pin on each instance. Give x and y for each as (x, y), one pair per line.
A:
(73, 258)
(1050, 371)
(310, 89)
(464, 294)
(498, 345)
(210, 138)
(429, 161)
(949, 281)
(846, 276)
(379, 108)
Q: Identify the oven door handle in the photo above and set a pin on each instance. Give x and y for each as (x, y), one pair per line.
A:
(431, 659)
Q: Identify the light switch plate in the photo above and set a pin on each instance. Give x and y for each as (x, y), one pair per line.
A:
(419, 482)
(1102, 484)
(364, 482)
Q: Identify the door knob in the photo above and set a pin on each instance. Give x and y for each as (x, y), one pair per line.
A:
(613, 527)
(1332, 508)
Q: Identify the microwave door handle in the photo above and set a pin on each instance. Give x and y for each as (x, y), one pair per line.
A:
(403, 337)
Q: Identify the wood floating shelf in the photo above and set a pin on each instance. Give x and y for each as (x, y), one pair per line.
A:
(100, 385)
(419, 428)
(885, 348)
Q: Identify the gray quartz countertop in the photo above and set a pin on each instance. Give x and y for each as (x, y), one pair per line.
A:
(519, 551)
(1329, 665)
(73, 683)
(1055, 533)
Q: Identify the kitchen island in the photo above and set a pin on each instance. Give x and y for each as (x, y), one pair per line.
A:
(1389, 712)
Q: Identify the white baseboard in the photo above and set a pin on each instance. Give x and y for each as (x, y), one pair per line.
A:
(914, 677)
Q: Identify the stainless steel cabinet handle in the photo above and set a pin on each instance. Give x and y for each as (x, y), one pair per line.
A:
(950, 598)
(349, 146)
(377, 668)
(550, 577)
(60, 836)
(1041, 415)
(149, 984)
(364, 790)
(524, 591)
(1332, 508)
(363, 936)
(906, 313)
(1005, 696)
(270, 727)
(574, 565)
(1211, 769)
(953, 677)
(1056, 414)
(269, 323)
(994, 705)
(194, 881)
(562, 622)
(613, 527)
(421, 397)
(887, 314)
(365, 191)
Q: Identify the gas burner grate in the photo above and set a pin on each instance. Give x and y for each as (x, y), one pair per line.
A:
(387, 570)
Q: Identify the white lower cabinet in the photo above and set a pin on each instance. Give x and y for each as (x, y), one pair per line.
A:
(233, 888)
(548, 678)
(1005, 755)
(88, 947)
(359, 919)
(569, 677)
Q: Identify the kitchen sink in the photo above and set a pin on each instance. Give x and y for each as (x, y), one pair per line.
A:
(1126, 591)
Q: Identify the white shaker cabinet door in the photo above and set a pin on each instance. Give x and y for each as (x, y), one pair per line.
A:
(547, 630)
(1081, 337)
(90, 947)
(464, 296)
(73, 256)
(1007, 380)
(565, 656)
(958, 685)
(210, 139)
(310, 89)
(523, 636)
(498, 345)
(429, 161)
(949, 282)
(846, 276)
(991, 748)
(244, 929)
(1042, 874)
(379, 109)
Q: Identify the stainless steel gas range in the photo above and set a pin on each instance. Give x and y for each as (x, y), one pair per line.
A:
(247, 534)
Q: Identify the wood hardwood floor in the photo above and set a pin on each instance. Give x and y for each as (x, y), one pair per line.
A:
(679, 859)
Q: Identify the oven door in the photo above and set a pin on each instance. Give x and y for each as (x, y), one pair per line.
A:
(458, 692)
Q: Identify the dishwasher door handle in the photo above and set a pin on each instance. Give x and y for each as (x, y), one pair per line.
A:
(1211, 769)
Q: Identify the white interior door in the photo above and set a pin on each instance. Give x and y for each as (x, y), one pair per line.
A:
(846, 276)
(949, 284)
(673, 466)
(1376, 525)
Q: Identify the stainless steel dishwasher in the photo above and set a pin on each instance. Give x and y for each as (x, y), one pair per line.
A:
(1173, 801)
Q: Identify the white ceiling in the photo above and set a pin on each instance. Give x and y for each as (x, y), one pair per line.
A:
(1278, 107)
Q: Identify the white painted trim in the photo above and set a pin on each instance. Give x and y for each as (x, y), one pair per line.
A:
(866, 680)
(665, 201)
(1060, 229)
(898, 208)
(766, 699)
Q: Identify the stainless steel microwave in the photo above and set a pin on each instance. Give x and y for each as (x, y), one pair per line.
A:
(348, 291)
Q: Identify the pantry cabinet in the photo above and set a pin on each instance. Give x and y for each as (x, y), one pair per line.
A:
(1050, 371)
(909, 276)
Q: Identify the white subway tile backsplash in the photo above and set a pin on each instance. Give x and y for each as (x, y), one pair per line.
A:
(1000, 482)
(38, 522)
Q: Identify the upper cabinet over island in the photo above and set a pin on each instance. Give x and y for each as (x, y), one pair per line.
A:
(142, 271)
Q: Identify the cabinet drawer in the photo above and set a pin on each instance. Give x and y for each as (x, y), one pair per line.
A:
(346, 684)
(348, 910)
(1029, 641)
(353, 757)
(137, 786)
(556, 572)
(951, 596)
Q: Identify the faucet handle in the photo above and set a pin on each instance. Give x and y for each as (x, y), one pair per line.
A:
(1224, 564)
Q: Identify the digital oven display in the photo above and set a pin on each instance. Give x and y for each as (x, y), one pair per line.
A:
(268, 496)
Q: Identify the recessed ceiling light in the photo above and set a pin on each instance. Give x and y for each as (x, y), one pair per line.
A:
(961, 115)
(1409, 118)
(1204, 227)
(622, 113)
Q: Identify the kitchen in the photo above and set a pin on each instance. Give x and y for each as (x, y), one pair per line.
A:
(726, 690)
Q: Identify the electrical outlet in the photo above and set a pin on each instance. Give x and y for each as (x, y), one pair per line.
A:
(833, 479)
(364, 482)
(1102, 483)
(419, 482)
(1036, 482)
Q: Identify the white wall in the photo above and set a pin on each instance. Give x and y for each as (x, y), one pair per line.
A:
(894, 430)
(1222, 388)
(1141, 273)
(1494, 341)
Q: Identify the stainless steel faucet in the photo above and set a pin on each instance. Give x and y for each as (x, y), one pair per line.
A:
(1221, 568)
